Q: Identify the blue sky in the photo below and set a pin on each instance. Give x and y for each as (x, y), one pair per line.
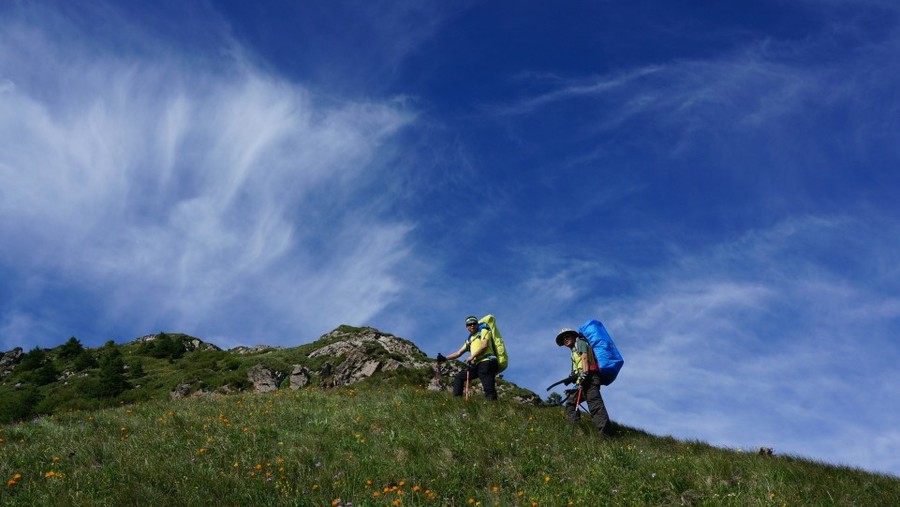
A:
(715, 181)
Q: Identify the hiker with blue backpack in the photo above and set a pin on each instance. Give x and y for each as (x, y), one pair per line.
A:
(595, 362)
(482, 361)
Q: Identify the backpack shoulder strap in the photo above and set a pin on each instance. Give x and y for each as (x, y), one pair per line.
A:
(592, 356)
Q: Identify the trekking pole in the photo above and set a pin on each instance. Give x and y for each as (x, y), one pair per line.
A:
(578, 399)
(468, 372)
(584, 408)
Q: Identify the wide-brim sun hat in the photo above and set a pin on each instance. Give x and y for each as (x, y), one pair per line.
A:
(565, 332)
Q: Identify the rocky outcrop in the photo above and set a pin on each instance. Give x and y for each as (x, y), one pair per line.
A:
(257, 349)
(189, 343)
(186, 390)
(373, 342)
(264, 379)
(361, 353)
(354, 354)
(300, 377)
(9, 360)
(180, 391)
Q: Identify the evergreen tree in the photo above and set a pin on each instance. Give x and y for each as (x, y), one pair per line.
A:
(166, 347)
(33, 359)
(83, 361)
(46, 374)
(112, 381)
(18, 405)
(71, 349)
(136, 369)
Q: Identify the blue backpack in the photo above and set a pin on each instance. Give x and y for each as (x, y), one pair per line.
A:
(609, 360)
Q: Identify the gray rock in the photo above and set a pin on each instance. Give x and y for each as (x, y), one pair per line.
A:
(264, 380)
(300, 377)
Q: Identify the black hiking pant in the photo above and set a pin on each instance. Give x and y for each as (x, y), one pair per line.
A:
(590, 392)
(486, 371)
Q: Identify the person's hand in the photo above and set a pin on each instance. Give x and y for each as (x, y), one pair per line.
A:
(441, 358)
(582, 376)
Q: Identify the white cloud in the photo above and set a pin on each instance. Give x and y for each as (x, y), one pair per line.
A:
(767, 340)
(771, 94)
(191, 198)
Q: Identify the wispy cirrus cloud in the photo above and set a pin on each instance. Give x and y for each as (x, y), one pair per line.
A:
(189, 197)
(766, 88)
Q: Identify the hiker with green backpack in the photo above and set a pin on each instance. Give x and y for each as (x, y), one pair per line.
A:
(595, 362)
(487, 357)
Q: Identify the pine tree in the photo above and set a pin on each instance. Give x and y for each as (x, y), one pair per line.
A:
(71, 349)
(112, 380)
(33, 359)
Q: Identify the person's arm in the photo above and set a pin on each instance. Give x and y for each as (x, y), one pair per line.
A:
(585, 365)
(581, 348)
(461, 351)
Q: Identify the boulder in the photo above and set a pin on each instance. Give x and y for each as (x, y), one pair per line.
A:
(9, 360)
(264, 380)
(300, 377)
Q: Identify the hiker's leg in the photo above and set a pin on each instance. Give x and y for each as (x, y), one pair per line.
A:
(571, 408)
(487, 370)
(595, 403)
(458, 382)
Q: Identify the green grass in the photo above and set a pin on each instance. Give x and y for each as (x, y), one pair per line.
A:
(378, 445)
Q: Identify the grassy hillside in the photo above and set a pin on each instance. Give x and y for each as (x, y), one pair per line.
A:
(384, 444)
(72, 377)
